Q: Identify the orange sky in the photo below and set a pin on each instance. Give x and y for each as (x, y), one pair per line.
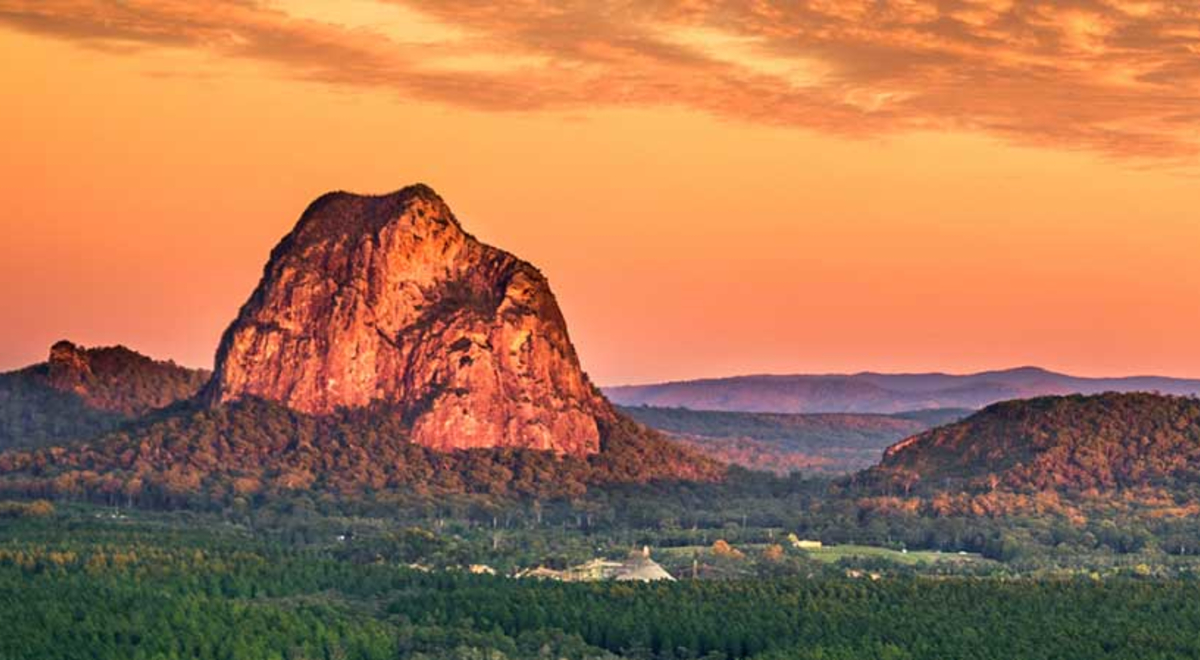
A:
(712, 187)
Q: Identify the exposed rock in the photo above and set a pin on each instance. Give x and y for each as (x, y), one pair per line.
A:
(68, 368)
(385, 300)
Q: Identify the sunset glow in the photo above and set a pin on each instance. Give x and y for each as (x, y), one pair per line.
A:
(712, 188)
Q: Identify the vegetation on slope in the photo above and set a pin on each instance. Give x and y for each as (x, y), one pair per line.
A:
(1076, 443)
(256, 448)
(117, 379)
(82, 393)
(34, 414)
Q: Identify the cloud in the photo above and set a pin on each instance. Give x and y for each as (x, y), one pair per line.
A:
(1119, 77)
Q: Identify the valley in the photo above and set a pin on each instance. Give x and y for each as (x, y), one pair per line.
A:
(824, 443)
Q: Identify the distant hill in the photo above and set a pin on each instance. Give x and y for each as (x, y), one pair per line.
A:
(79, 393)
(881, 393)
(832, 443)
(1076, 443)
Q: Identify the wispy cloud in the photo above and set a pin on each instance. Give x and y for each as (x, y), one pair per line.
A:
(1120, 77)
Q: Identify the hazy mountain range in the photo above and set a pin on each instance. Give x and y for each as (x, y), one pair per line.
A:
(881, 393)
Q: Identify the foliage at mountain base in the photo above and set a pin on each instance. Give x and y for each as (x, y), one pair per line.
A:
(254, 448)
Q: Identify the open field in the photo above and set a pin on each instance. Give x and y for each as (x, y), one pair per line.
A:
(834, 553)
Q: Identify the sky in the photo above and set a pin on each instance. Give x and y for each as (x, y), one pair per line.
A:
(713, 188)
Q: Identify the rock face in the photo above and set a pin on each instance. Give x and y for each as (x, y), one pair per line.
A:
(385, 300)
(68, 368)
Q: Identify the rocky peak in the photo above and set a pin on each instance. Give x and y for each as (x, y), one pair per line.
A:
(386, 300)
(68, 367)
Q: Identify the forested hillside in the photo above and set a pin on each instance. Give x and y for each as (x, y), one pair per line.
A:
(258, 448)
(79, 393)
(117, 379)
(33, 414)
(1076, 443)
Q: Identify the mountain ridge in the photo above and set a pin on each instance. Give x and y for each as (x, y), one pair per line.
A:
(885, 393)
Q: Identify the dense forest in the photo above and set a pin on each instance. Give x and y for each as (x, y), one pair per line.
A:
(95, 584)
(34, 414)
(194, 455)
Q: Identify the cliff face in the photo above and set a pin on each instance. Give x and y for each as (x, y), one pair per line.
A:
(387, 300)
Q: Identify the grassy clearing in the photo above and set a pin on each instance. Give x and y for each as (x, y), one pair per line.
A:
(834, 553)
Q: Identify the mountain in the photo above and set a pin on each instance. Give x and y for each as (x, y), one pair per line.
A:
(1074, 443)
(831, 443)
(881, 393)
(387, 300)
(384, 349)
(81, 392)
